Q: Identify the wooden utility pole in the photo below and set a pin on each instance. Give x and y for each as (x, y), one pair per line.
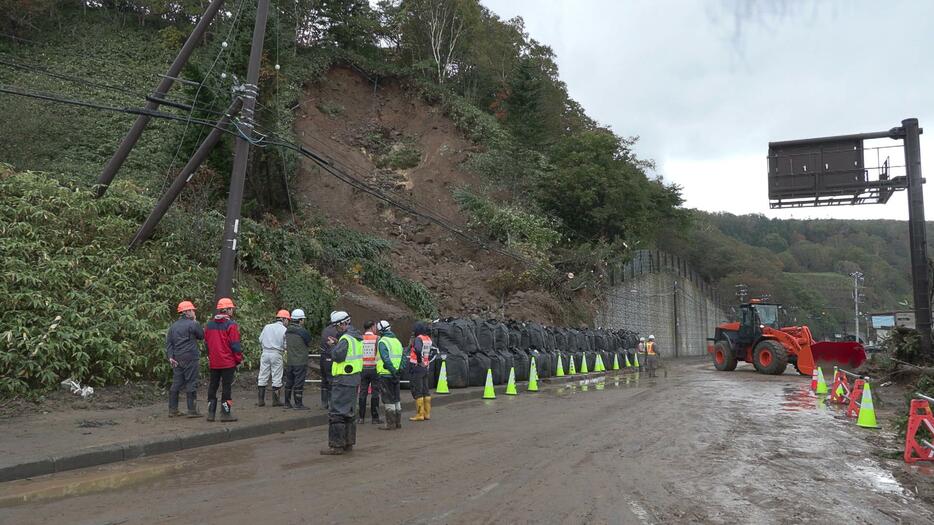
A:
(115, 162)
(225, 270)
(184, 176)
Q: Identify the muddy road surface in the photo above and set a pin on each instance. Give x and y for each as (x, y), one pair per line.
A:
(697, 446)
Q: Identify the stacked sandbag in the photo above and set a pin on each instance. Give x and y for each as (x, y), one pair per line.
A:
(444, 336)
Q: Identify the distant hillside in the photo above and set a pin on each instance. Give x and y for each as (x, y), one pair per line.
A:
(805, 264)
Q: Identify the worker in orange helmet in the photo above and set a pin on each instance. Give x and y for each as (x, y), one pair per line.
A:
(222, 336)
(272, 339)
(181, 348)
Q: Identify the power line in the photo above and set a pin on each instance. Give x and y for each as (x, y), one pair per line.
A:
(414, 209)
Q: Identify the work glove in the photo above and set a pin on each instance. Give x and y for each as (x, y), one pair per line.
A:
(173, 362)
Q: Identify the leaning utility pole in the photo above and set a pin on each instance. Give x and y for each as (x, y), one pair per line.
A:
(185, 176)
(152, 103)
(857, 276)
(225, 270)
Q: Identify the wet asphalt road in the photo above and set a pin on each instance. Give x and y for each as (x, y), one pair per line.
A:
(697, 446)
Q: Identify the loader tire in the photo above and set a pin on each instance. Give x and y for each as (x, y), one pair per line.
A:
(724, 359)
(770, 357)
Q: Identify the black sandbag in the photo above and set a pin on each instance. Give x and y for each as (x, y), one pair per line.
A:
(485, 335)
(466, 336)
(536, 336)
(508, 362)
(591, 360)
(599, 341)
(497, 366)
(501, 336)
(524, 338)
(457, 367)
(477, 366)
(561, 339)
(521, 361)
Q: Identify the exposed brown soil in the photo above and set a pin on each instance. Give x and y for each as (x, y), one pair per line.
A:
(339, 118)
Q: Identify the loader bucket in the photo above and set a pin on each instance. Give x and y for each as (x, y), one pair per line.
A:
(846, 354)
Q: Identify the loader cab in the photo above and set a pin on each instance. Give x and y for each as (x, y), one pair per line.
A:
(753, 316)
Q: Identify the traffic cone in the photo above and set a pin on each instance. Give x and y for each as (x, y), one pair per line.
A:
(560, 372)
(814, 379)
(598, 366)
(584, 365)
(442, 387)
(635, 359)
(615, 361)
(511, 385)
(533, 378)
(572, 370)
(821, 384)
(867, 414)
(628, 364)
(488, 392)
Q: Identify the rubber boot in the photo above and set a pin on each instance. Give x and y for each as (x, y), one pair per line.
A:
(398, 414)
(173, 404)
(390, 422)
(276, 402)
(298, 401)
(193, 405)
(361, 410)
(227, 411)
(427, 408)
(261, 396)
(351, 438)
(288, 398)
(212, 409)
(374, 410)
(336, 439)
(419, 410)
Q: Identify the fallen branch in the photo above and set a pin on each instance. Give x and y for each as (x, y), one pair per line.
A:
(925, 369)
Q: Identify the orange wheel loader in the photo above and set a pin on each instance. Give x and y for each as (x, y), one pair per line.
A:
(759, 338)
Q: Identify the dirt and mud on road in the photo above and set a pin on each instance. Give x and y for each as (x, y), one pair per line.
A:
(694, 446)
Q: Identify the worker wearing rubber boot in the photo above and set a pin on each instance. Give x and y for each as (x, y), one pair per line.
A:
(651, 356)
(222, 337)
(297, 341)
(640, 352)
(181, 348)
(388, 366)
(369, 378)
(346, 366)
(419, 360)
(329, 337)
(272, 340)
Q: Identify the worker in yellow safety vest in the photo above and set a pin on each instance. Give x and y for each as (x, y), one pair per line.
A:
(346, 367)
(389, 368)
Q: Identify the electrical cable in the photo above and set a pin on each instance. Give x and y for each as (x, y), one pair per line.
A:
(415, 209)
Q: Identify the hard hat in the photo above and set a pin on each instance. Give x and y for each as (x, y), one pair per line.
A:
(283, 314)
(383, 326)
(184, 306)
(225, 302)
(298, 313)
(651, 338)
(339, 317)
(642, 339)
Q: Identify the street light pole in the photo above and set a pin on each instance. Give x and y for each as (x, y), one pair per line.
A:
(857, 276)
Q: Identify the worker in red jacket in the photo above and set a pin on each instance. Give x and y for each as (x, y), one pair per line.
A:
(222, 337)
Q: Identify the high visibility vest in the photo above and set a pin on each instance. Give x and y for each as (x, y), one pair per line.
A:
(369, 349)
(395, 355)
(353, 364)
(426, 351)
(650, 348)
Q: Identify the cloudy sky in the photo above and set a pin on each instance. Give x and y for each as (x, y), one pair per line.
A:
(707, 84)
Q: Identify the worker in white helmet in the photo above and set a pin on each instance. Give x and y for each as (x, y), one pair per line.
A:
(297, 343)
(346, 366)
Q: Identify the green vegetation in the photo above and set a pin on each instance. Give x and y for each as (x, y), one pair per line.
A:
(530, 233)
(805, 264)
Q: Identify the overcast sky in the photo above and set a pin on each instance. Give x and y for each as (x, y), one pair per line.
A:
(707, 84)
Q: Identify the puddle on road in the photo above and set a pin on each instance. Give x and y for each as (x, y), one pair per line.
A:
(800, 399)
(878, 479)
